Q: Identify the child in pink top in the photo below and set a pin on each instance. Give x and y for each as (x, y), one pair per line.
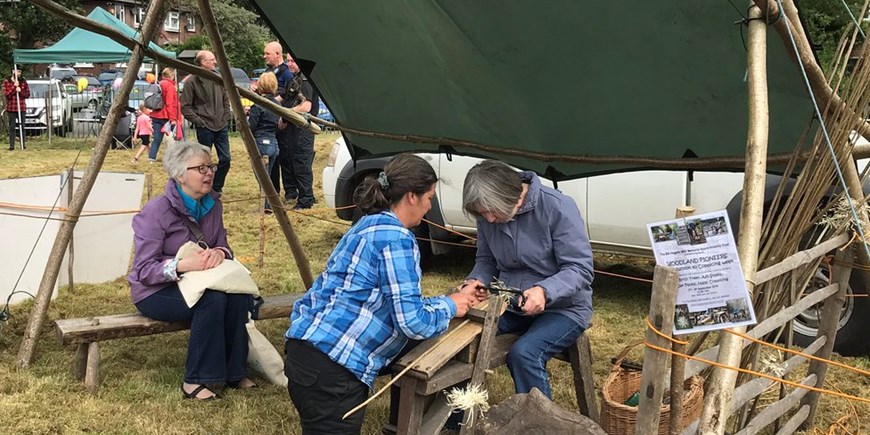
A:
(143, 132)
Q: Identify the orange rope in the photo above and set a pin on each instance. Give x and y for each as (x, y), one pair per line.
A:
(764, 343)
(759, 374)
(449, 230)
(661, 334)
(794, 352)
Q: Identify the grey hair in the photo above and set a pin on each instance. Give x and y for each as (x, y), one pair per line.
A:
(176, 159)
(491, 186)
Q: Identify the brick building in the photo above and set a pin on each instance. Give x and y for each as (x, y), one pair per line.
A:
(179, 25)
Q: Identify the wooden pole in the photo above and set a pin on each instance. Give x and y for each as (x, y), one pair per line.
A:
(484, 350)
(828, 327)
(154, 17)
(655, 363)
(262, 219)
(678, 363)
(70, 263)
(717, 398)
(253, 152)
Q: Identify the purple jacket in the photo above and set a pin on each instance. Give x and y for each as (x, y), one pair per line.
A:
(159, 231)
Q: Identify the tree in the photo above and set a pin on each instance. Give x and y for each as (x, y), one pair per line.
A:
(243, 34)
(826, 21)
(25, 25)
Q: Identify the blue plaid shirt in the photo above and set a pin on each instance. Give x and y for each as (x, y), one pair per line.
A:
(364, 307)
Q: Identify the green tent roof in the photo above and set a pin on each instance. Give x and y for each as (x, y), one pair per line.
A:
(80, 45)
(632, 78)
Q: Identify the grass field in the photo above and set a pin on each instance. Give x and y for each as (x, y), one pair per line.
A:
(141, 376)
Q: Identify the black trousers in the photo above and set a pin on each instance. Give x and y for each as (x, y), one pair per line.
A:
(301, 159)
(282, 172)
(322, 391)
(14, 128)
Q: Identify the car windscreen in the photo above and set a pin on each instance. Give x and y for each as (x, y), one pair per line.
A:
(39, 90)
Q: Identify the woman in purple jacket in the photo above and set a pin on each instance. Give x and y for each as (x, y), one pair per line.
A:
(533, 239)
(189, 211)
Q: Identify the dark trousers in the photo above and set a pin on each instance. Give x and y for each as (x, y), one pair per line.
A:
(269, 150)
(542, 337)
(157, 125)
(218, 347)
(301, 159)
(221, 141)
(282, 173)
(322, 391)
(16, 130)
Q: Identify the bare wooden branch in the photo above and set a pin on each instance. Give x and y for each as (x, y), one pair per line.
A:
(801, 258)
(655, 363)
(253, 152)
(721, 384)
(768, 325)
(64, 234)
(795, 421)
(778, 408)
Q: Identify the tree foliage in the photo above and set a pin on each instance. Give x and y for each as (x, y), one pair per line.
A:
(25, 25)
(241, 31)
(826, 21)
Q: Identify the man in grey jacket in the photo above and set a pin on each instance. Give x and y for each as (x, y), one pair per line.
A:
(205, 104)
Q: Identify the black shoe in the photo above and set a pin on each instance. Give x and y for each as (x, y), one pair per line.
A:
(301, 207)
(268, 211)
(290, 198)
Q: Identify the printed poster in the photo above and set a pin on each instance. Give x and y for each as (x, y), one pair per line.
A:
(712, 293)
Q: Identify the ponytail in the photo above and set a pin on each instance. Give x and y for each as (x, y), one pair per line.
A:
(404, 173)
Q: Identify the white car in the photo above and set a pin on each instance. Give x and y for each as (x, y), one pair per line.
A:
(616, 209)
(61, 111)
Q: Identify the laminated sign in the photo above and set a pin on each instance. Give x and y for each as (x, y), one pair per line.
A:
(712, 293)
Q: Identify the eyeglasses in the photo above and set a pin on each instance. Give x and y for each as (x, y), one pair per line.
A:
(203, 169)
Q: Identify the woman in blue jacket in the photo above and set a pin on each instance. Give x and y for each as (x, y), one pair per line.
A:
(532, 238)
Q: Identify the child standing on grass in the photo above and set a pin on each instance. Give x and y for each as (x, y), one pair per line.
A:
(143, 132)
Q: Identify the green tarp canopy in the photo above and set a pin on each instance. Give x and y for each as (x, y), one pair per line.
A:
(80, 45)
(574, 77)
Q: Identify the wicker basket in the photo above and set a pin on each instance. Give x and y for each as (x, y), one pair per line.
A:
(620, 419)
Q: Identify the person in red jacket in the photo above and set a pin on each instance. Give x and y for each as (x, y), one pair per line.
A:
(16, 91)
(170, 113)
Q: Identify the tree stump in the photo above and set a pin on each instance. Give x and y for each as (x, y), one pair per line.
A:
(531, 414)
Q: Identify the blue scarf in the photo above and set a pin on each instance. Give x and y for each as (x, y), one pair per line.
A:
(197, 209)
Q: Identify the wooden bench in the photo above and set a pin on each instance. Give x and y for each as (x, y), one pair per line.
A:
(422, 403)
(88, 332)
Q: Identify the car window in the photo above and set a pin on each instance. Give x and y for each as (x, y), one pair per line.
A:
(38, 90)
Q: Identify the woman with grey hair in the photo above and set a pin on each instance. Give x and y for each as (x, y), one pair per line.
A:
(531, 238)
(189, 211)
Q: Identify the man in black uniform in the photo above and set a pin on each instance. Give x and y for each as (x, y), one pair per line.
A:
(301, 139)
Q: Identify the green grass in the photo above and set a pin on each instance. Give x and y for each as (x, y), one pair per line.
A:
(140, 377)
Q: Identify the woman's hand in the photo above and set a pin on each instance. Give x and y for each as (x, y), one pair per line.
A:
(536, 300)
(474, 288)
(463, 302)
(203, 260)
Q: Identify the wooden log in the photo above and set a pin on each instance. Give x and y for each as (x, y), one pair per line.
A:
(678, 363)
(70, 262)
(721, 383)
(244, 129)
(534, 413)
(778, 408)
(580, 357)
(768, 325)
(436, 416)
(80, 363)
(153, 17)
(261, 219)
(792, 425)
(92, 372)
(801, 258)
(828, 328)
(655, 363)
(481, 365)
(410, 407)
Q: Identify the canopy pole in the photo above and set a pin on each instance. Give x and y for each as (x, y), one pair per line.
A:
(253, 153)
(18, 101)
(718, 395)
(153, 17)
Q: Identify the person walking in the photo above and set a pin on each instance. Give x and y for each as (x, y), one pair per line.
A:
(16, 91)
(142, 134)
(168, 113)
(206, 106)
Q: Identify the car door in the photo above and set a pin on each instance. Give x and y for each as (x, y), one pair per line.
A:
(620, 206)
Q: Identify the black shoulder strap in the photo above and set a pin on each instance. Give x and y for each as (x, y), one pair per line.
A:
(192, 226)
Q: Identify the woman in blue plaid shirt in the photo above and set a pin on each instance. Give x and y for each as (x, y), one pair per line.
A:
(367, 304)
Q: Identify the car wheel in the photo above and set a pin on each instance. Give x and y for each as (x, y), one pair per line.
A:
(854, 320)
